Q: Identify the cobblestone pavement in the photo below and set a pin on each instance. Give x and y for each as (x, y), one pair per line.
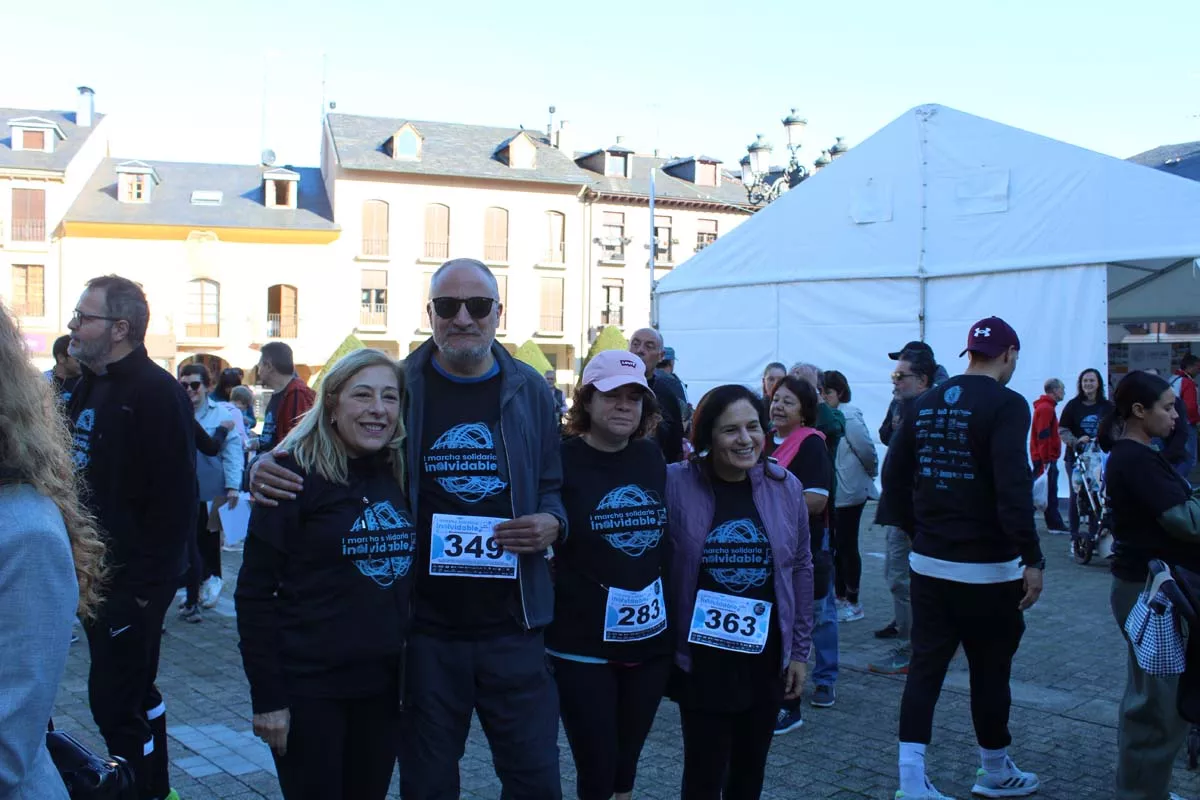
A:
(1067, 681)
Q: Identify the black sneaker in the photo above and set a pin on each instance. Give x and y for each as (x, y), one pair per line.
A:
(190, 614)
(889, 631)
(788, 721)
(823, 697)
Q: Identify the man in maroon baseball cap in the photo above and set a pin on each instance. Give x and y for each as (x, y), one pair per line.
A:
(957, 475)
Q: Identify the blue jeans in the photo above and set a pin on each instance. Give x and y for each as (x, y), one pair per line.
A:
(825, 639)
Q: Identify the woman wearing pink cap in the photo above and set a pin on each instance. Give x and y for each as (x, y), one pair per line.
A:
(609, 647)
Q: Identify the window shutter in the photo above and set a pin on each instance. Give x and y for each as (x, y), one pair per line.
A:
(706, 226)
(614, 218)
(33, 140)
(552, 304)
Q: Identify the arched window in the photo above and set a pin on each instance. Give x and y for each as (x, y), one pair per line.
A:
(283, 319)
(375, 228)
(495, 235)
(204, 308)
(437, 231)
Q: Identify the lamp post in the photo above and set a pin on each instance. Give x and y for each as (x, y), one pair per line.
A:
(764, 184)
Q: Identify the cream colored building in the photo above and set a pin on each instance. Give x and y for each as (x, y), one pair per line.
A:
(566, 233)
(230, 257)
(45, 160)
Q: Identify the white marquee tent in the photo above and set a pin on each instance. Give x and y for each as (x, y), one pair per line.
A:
(938, 220)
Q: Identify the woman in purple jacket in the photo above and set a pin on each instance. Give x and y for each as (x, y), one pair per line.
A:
(741, 582)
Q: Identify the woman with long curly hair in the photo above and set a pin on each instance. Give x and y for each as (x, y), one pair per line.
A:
(51, 566)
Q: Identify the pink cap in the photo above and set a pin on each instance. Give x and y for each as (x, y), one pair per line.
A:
(609, 369)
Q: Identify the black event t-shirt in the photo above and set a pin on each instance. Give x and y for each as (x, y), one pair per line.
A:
(1083, 419)
(266, 439)
(463, 473)
(617, 519)
(1141, 485)
(737, 560)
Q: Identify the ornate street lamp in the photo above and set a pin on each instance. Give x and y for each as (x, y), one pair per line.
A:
(764, 184)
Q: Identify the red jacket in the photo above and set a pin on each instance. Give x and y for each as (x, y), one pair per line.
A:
(297, 400)
(1045, 446)
(1185, 387)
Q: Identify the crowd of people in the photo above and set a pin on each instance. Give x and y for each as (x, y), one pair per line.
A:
(446, 536)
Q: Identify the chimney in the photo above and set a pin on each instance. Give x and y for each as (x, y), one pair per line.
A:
(86, 108)
(620, 140)
(563, 139)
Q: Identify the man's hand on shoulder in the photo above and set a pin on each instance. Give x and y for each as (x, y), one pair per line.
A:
(270, 482)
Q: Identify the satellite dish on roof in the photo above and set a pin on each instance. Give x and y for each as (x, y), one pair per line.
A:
(268, 157)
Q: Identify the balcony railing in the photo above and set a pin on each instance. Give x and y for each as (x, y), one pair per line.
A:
(282, 326)
(28, 230)
(377, 248)
(202, 330)
(373, 315)
(495, 252)
(437, 249)
(703, 240)
(613, 316)
(557, 254)
(551, 323)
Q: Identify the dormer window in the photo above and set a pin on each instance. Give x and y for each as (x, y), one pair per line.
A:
(519, 152)
(407, 143)
(135, 182)
(35, 134)
(616, 165)
(280, 188)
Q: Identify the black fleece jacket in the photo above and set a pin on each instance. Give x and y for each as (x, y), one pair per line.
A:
(134, 440)
(957, 472)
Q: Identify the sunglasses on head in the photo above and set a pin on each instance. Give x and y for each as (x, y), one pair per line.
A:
(192, 386)
(477, 307)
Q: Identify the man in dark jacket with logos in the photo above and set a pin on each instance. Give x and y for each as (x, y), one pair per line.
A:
(484, 473)
(133, 438)
(957, 475)
(647, 344)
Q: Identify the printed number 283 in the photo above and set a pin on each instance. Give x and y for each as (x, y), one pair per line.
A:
(731, 622)
(473, 546)
(639, 615)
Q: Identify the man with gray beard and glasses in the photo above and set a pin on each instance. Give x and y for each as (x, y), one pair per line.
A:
(483, 481)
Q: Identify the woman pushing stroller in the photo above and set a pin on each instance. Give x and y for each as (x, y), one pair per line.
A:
(1154, 516)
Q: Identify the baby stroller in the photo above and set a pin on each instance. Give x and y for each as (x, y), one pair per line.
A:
(1184, 594)
(1087, 483)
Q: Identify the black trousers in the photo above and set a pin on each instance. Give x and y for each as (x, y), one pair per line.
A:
(725, 754)
(124, 641)
(607, 711)
(505, 681)
(847, 560)
(985, 620)
(340, 749)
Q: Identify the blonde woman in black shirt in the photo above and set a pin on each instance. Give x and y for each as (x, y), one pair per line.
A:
(1154, 516)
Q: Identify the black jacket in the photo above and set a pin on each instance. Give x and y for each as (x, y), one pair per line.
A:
(133, 431)
(885, 512)
(671, 403)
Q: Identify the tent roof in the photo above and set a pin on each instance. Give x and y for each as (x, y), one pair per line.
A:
(939, 192)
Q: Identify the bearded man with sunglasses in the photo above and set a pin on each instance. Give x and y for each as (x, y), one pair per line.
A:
(483, 482)
(133, 437)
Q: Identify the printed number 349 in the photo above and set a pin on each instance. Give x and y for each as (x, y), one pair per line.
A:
(473, 546)
(731, 622)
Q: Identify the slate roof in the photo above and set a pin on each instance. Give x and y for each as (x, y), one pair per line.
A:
(447, 148)
(171, 200)
(64, 149)
(1177, 159)
(472, 151)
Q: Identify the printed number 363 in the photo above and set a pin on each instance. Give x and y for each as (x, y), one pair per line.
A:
(473, 546)
(731, 622)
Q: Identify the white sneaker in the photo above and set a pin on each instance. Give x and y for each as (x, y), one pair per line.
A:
(929, 793)
(851, 612)
(210, 592)
(1009, 782)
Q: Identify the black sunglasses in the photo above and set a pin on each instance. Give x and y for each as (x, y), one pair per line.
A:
(477, 307)
(192, 385)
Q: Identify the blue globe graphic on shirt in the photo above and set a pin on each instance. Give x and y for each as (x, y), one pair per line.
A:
(469, 488)
(952, 395)
(624, 498)
(740, 532)
(383, 517)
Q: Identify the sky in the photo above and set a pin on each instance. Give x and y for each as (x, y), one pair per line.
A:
(190, 81)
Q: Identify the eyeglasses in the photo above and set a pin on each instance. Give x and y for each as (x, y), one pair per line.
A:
(79, 317)
(191, 386)
(899, 376)
(477, 307)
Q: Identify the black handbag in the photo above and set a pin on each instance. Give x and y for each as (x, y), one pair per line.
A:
(89, 776)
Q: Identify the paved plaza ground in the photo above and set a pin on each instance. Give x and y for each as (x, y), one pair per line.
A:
(1067, 682)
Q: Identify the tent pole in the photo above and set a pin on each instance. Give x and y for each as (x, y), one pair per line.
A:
(921, 311)
(653, 248)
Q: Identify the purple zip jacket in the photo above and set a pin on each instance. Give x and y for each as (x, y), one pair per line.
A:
(779, 498)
